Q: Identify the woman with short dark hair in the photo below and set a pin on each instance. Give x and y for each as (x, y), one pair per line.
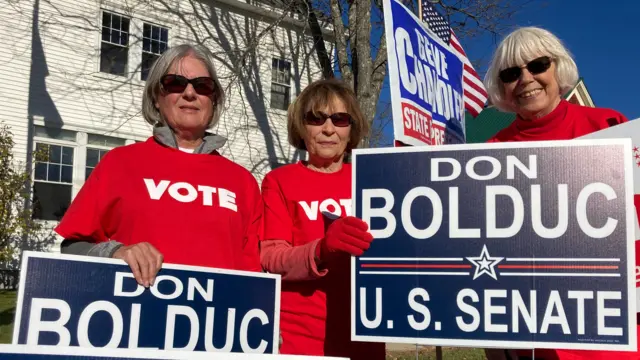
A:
(309, 235)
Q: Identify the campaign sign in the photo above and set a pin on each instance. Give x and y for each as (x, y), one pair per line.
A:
(42, 352)
(630, 129)
(425, 79)
(514, 245)
(68, 300)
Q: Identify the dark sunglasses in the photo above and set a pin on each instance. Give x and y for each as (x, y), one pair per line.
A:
(535, 67)
(173, 83)
(338, 119)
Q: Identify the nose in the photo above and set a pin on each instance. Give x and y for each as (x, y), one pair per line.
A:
(328, 128)
(189, 92)
(525, 76)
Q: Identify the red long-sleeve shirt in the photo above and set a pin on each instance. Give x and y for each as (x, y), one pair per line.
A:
(567, 121)
(315, 309)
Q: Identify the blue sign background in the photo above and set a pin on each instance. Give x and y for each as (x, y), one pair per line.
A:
(576, 166)
(80, 283)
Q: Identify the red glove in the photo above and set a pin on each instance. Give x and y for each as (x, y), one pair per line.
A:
(345, 235)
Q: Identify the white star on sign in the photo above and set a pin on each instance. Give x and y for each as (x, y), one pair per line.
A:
(485, 264)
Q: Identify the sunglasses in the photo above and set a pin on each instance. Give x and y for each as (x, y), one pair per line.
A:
(535, 67)
(173, 83)
(338, 119)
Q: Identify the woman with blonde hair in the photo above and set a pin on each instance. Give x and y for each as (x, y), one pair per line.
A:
(530, 73)
(309, 234)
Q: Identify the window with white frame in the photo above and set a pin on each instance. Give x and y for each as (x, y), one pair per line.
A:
(52, 180)
(280, 84)
(97, 147)
(114, 47)
(154, 43)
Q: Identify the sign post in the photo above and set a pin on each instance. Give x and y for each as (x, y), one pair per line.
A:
(514, 245)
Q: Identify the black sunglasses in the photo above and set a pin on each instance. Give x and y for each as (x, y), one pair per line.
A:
(173, 83)
(338, 119)
(535, 67)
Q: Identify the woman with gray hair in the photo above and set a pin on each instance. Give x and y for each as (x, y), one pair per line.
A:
(530, 73)
(172, 198)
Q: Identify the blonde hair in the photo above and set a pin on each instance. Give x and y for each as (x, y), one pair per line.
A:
(522, 46)
(318, 96)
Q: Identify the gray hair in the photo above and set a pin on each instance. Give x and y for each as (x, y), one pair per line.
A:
(522, 46)
(160, 68)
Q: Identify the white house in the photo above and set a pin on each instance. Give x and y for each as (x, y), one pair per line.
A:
(72, 74)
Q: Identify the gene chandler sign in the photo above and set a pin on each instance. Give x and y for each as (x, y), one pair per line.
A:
(515, 245)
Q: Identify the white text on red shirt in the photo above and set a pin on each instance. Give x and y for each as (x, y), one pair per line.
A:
(185, 192)
(329, 207)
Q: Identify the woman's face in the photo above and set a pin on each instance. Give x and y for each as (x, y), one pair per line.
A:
(328, 141)
(533, 95)
(187, 112)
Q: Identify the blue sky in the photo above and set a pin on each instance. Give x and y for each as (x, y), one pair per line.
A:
(601, 35)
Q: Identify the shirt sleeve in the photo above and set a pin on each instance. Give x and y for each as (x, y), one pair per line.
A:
(278, 255)
(83, 219)
(250, 246)
(278, 224)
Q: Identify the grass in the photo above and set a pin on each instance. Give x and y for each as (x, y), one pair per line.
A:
(8, 308)
(7, 311)
(429, 353)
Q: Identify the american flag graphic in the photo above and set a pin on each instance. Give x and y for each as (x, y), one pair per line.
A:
(475, 95)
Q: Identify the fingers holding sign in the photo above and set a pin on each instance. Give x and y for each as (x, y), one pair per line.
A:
(144, 260)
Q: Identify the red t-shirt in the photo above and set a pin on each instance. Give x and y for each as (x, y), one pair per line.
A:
(300, 204)
(567, 121)
(196, 209)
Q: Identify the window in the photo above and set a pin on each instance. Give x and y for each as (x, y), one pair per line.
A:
(280, 84)
(98, 146)
(93, 157)
(114, 48)
(53, 176)
(154, 43)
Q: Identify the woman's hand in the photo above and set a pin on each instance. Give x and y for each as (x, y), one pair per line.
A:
(143, 259)
(345, 235)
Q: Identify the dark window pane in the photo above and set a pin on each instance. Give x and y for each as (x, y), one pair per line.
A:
(113, 59)
(66, 175)
(87, 173)
(41, 171)
(50, 201)
(55, 152)
(146, 30)
(92, 157)
(146, 44)
(115, 37)
(103, 153)
(42, 152)
(145, 66)
(54, 172)
(106, 19)
(154, 46)
(163, 47)
(155, 33)
(274, 63)
(125, 24)
(67, 155)
(106, 34)
(164, 35)
(124, 39)
(115, 22)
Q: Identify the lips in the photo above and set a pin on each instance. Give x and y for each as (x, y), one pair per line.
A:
(529, 94)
